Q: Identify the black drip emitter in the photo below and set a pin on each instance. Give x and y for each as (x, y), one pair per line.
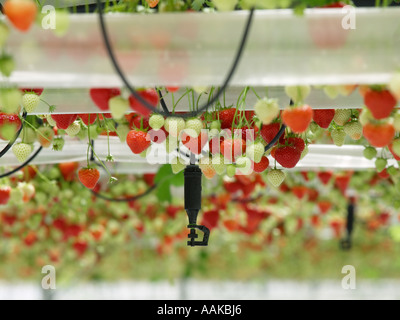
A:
(192, 188)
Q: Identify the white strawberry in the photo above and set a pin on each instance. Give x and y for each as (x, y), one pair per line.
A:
(342, 116)
(365, 116)
(177, 165)
(244, 165)
(50, 120)
(231, 170)
(10, 99)
(193, 127)
(332, 91)
(30, 101)
(4, 33)
(298, 93)
(394, 85)
(156, 121)
(225, 5)
(255, 151)
(174, 126)
(62, 22)
(338, 137)
(266, 110)
(276, 177)
(118, 106)
(171, 144)
(22, 151)
(73, 129)
(353, 129)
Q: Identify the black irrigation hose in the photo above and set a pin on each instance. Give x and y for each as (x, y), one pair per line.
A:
(11, 142)
(163, 104)
(142, 100)
(23, 165)
(104, 197)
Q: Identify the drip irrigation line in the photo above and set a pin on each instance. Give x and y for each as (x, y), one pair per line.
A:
(23, 165)
(141, 99)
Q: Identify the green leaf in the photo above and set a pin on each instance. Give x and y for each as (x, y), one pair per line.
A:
(163, 173)
(197, 4)
(164, 192)
(177, 180)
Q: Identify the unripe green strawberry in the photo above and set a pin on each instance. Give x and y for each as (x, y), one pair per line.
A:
(193, 127)
(332, 91)
(218, 162)
(216, 124)
(94, 131)
(174, 126)
(83, 133)
(118, 106)
(50, 120)
(62, 22)
(30, 101)
(244, 165)
(266, 110)
(22, 151)
(396, 121)
(225, 5)
(314, 127)
(58, 144)
(7, 65)
(353, 130)
(338, 137)
(380, 164)
(4, 33)
(365, 116)
(392, 171)
(394, 86)
(10, 99)
(370, 153)
(231, 170)
(45, 136)
(28, 135)
(342, 116)
(73, 129)
(396, 146)
(298, 93)
(156, 121)
(255, 151)
(276, 177)
(122, 131)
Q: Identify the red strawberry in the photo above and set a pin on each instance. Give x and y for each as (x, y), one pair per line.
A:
(248, 134)
(85, 118)
(287, 156)
(325, 176)
(324, 206)
(101, 96)
(138, 120)
(149, 178)
(338, 4)
(383, 174)
(226, 117)
(323, 117)
(138, 141)
(68, 170)
(7, 122)
(268, 132)
(379, 135)
(63, 121)
(297, 118)
(149, 95)
(152, 3)
(300, 191)
(312, 195)
(232, 148)
(215, 145)
(342, 182)
(380, 103)
(21, 13)
(305, 175)
(30, 238)
(295, 142)
(4, 194)
(38, 91)
(80, 246)
(195, 145)
(262, 165)
(210, 219)
(89, 177)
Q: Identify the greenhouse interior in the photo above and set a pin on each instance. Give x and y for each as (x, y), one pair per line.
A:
(199, 149)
